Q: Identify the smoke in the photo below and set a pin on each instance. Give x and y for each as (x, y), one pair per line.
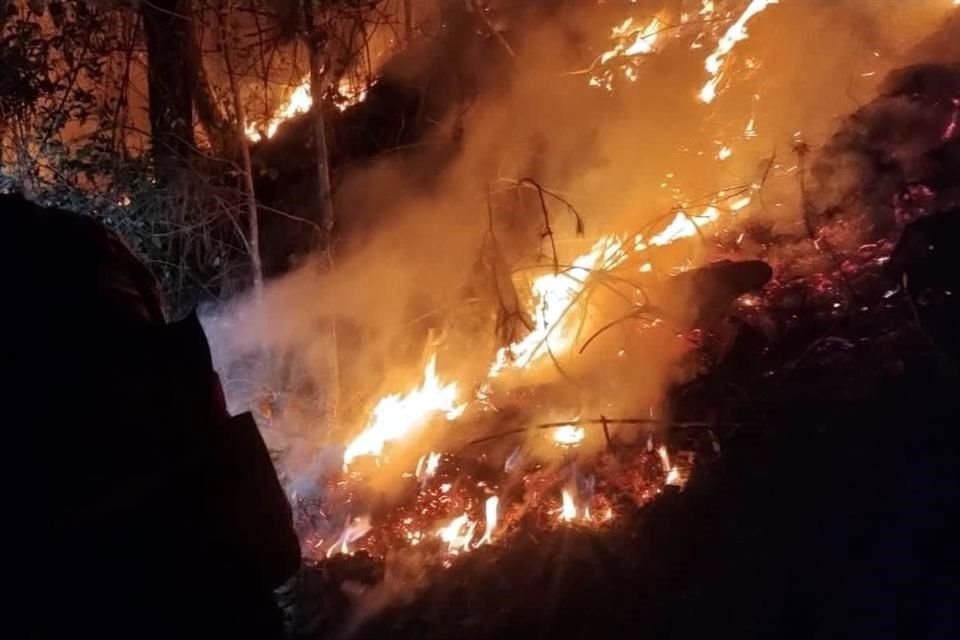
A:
(417, 267)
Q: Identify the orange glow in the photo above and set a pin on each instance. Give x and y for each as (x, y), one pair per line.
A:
(736, 33)
(396, 415)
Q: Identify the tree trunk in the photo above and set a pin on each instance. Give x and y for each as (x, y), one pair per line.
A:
(172, 79)
(408, 21)
(253, 234)
(320, 70)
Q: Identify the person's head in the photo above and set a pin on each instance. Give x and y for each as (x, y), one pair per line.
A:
(73, 270)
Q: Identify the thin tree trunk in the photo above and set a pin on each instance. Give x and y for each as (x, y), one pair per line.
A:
(408, 21)
(319, 76)
(253, 232)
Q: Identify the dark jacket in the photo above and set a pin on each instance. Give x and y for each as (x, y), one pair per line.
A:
(144, 509)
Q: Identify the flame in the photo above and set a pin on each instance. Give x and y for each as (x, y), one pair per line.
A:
(352, 531)
(397, 415)
(736, 33)
(568, 435)
(684, 225)
(673, 477)
(427, 466)
(724, 153)
(491, 512)
(568, 509)
(553, 294)
(458, 534)
(664, 458)
(300, 101)
(631, 41)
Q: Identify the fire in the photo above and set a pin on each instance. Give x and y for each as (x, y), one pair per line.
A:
(736, 33)
(427, 466)
(671, 471)
(631, 41)
(568, 509)
(352, 531)
(568, 435)
(300, 101)
(553, 294)
(664, 458)
(684, 225)
(396, 415)
(458, 534)
(491, 513)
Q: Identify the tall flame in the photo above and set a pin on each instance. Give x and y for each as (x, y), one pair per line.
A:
(396, 415)
(736, 33)
(568, 507)
(491, 513)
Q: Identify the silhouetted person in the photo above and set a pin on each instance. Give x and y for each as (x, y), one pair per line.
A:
(139, 507)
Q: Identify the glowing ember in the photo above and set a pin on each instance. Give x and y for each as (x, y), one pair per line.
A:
(458, 534)
(568, 435)
(352, 531)
(736, 33)
(553, 295)
(491, 512)
(395, 416)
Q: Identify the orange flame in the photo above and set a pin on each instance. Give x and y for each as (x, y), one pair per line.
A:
(395, 416)
(631, 41)
(553, 294)
(300, 101)
(736, 33)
